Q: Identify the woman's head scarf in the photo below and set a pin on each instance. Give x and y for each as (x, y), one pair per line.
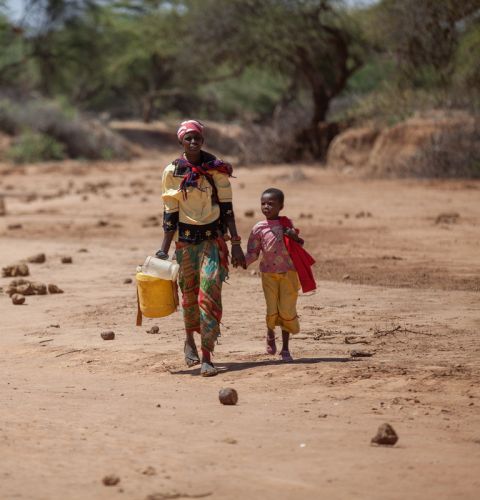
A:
(189, 126)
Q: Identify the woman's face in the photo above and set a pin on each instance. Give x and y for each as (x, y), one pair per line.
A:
(192, 142)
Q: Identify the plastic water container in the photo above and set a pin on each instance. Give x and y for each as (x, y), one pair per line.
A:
(164, 269)
(156, 297)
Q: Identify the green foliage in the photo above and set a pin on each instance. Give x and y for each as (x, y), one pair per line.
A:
(253, 95)
(371, 75)
(30, 147)
(467, 59)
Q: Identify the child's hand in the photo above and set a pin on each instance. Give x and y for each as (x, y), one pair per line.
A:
(290, 232)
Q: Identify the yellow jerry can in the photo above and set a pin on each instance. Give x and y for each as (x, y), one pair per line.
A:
(156, 297)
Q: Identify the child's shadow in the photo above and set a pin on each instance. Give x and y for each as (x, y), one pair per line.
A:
(247, 365)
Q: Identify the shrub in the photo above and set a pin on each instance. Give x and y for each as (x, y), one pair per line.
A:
(31, 147)
(81, 137)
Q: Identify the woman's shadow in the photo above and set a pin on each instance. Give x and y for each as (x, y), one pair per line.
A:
(247, 365)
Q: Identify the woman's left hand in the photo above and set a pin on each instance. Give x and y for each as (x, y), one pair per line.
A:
(238, 257)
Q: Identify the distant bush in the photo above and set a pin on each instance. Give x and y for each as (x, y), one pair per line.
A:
(391, 104)
(467, 69)
(81, 137)
(31, 147)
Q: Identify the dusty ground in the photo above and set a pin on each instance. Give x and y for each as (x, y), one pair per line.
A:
(75, 408)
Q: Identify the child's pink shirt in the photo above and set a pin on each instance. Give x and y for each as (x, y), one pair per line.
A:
(267, 237)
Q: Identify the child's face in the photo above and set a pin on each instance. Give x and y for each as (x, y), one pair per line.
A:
(271, 206)
(192, 142)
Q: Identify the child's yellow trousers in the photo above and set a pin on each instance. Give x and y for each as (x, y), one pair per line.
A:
(281, 293)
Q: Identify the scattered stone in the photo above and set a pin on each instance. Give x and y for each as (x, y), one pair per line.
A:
(12, 227)
(15, 270)
(391, 257)
(306, 216)
(3, 208)
(447, 218)
(12, 287)
(107, 335)
(111, 480)
(149, 471)
(228, 396)
(82, 250)
(127, 281)
(385, 435)
(346, 277)
(40, 258)
(56, 325)
(25, 289)
(102, 223)
(67, 260)
(230, 441)
(18, 299)
(54, 288)
(361, 354)
(362, 214)
(154, 330)
(249, 213)
(39, 288)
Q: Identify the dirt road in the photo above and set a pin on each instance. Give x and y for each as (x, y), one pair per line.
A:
(395, 279)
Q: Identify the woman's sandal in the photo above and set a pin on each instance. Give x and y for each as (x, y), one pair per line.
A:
(271, 346)
(208, 370)
(191, 355)
(286, 356)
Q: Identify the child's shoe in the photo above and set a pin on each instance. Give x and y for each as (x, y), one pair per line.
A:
(286, 356)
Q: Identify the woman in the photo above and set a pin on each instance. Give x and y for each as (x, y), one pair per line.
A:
(197, 198)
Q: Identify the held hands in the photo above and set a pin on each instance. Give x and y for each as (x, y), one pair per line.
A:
(238, 257)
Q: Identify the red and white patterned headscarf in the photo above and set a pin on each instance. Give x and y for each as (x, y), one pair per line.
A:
(189, 126)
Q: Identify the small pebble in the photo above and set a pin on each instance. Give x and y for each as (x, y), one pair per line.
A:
(154, 329)
(228, 396)
(54, 288)
(18, 299)
(37, 259)
(111, 480)
(107, 335)
(361, 354)
(385, 435)
(149, 471)
(127, 281)
(67, 260)
(230, 441)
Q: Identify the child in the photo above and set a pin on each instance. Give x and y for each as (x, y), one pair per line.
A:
(283, 262)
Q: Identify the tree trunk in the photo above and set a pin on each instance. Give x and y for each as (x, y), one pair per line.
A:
(147, 108)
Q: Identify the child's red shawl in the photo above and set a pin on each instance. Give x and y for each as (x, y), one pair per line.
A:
(301, 259)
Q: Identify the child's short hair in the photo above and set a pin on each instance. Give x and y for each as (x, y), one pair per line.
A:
(277, 193)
